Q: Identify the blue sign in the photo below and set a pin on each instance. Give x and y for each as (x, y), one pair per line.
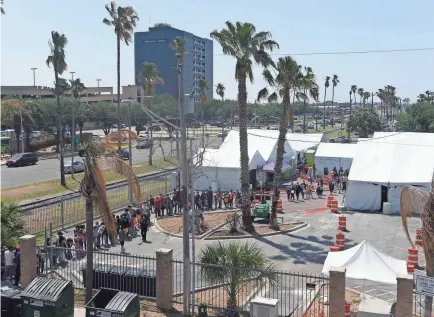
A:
(76, 137)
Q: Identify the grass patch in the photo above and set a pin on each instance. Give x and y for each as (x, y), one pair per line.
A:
(53, 187)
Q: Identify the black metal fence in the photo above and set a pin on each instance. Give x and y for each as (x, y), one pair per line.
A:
(125, 272)
(420, 308)
(67, 210)
(228, 289)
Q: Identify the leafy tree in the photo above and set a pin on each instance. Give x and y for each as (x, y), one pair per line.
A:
(93, 187)
(12, 225)
(364, 121)
(418, 117)
(247, 46)
(104, 115)
(123, 20)
(234, 265)
(56, 59)
(64, 86)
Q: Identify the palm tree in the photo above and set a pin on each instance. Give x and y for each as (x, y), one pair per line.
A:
(326, 85)
(178, 46)
(93, 187)
(335, 82)
(56, 59)
(203, 87)
(123, 20)
(76, 88)
(287, 81)
(247, 46)
(2, 3)
(429, 96)
(416, 201)
(421, 98)
(380, 95)
(12, 225)
(220, 90)
(360, 92)
(406, 101)
(150, 78)
(309, 87)
(234, 265)
(366, 96)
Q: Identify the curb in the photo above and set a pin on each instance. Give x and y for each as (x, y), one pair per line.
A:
(200, 237)
(302, 225)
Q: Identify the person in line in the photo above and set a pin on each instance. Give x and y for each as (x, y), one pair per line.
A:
(338, 183)
(288, 193)
(344, 183)
(209, 198)
(122, 238)
(293, 192)
(17, 266)
(220, 197)
(9, 264)
(297, 191)
(151, 202)
(144, 228)
(237, 199)
(216, 200)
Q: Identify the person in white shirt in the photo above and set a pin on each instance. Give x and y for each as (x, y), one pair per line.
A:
(9, 264)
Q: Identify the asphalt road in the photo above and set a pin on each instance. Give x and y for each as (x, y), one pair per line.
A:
(50, 169)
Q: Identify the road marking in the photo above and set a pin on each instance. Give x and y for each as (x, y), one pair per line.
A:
(385, 294)
(371, 290)
(356, 287)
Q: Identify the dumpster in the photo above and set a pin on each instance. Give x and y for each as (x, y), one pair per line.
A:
(10, 302)
(101, 275)
(48, 297)
(110, 302)
(141, 281)
(117, 277)
(83, 270)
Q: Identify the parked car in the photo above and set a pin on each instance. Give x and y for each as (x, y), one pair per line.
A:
(73, 166)
(82, 152)
(124, 154)
(22, 159)
(311, 126)
(222, 134)
(146, 144)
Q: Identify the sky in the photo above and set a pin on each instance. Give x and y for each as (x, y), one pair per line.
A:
(300, 27)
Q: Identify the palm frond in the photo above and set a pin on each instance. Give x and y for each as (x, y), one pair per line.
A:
(262, 94)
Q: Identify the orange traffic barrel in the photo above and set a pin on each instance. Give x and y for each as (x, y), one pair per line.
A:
(410, 268)
(330, 198)
(419, 237)
(340, 241)
(334, 249)
(347, 309)
(342, 223)
(334, 206)
(412, 257)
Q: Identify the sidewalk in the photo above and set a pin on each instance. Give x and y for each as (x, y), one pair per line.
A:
(373, 307)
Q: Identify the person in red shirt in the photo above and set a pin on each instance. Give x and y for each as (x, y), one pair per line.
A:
(157, 206)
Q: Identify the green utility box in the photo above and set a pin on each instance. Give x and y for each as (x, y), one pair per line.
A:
(46, 297)
(112, 303)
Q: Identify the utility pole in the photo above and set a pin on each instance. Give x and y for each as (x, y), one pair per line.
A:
(22, 131)
(184, 190)
(72, 75)
(73, 125)
(130, 156)
(34, 76)
(349, 136)
(98, 80)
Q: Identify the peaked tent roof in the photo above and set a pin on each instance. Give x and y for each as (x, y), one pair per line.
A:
(404, 138)
(340, 150)
(357, 260)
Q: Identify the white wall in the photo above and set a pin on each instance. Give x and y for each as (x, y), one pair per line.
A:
(226, 178)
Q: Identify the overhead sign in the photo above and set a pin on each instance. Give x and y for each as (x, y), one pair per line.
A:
(425, 285)
(155, 41)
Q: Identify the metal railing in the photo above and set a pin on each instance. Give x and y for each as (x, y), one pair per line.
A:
(298, 294)
(419, 305)
(66, 210)
(124, 272)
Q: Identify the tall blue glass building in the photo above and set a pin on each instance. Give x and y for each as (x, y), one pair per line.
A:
(153, 47)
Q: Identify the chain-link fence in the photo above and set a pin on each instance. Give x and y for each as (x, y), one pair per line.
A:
(67, 210)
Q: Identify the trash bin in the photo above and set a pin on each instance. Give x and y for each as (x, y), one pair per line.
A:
(141, 281)
(10, 302)
(48, 297)
(83, 270)
(110, 302)
(117, 278)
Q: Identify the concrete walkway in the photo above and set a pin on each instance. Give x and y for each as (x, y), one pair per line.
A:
(373, 307)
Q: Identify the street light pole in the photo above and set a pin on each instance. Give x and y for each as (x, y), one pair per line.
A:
(130, 155)
(73, 126)
(98, 80)
(22, 131)
(34, 76)
(72, 75)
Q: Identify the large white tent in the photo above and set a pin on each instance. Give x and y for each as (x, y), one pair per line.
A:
(334, 155)
(384, 164)
(364, 262)
(221, 168)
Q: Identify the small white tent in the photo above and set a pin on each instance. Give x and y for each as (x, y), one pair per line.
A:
(364, 262)
(334, 155)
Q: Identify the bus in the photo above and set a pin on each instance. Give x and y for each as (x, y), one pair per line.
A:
(5, 145)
